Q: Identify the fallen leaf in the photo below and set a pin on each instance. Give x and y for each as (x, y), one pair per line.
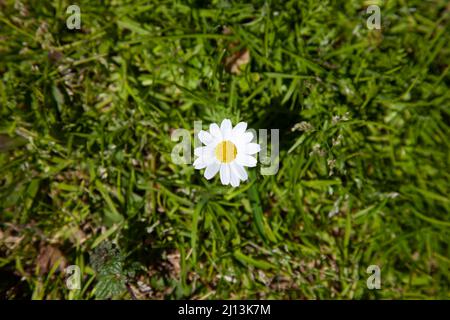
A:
(48, 256)
(174, 260)
(238, 58)
(234, 62)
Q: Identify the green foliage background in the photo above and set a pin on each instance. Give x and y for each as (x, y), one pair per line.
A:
(85, 123)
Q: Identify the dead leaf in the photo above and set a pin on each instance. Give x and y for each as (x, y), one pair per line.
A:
(48, 256)
(174, 259)
(10, 238)
(234, 62)
(238, 58)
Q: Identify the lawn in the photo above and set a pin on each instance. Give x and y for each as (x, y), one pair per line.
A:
(89, 188)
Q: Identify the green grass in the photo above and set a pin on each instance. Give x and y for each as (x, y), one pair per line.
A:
(85, 124)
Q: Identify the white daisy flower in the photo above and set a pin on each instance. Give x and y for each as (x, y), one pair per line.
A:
(227, 150)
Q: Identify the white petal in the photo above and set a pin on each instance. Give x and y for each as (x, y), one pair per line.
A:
(246, 137)
(211, 170)
(234, 179)
(200, 163)
(252, 148)
(215, 131)
(205, 158)
(225, 174)
(246, 160)
(206, 152)
(226, 127)
(198, 151)
(237, 140)
(205, 137)
(239, 171)
(239, 129)
(226, 124)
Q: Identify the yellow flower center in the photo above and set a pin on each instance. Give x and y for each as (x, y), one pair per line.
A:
(226, 151)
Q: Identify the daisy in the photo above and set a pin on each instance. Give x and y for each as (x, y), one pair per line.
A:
(227, 150)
